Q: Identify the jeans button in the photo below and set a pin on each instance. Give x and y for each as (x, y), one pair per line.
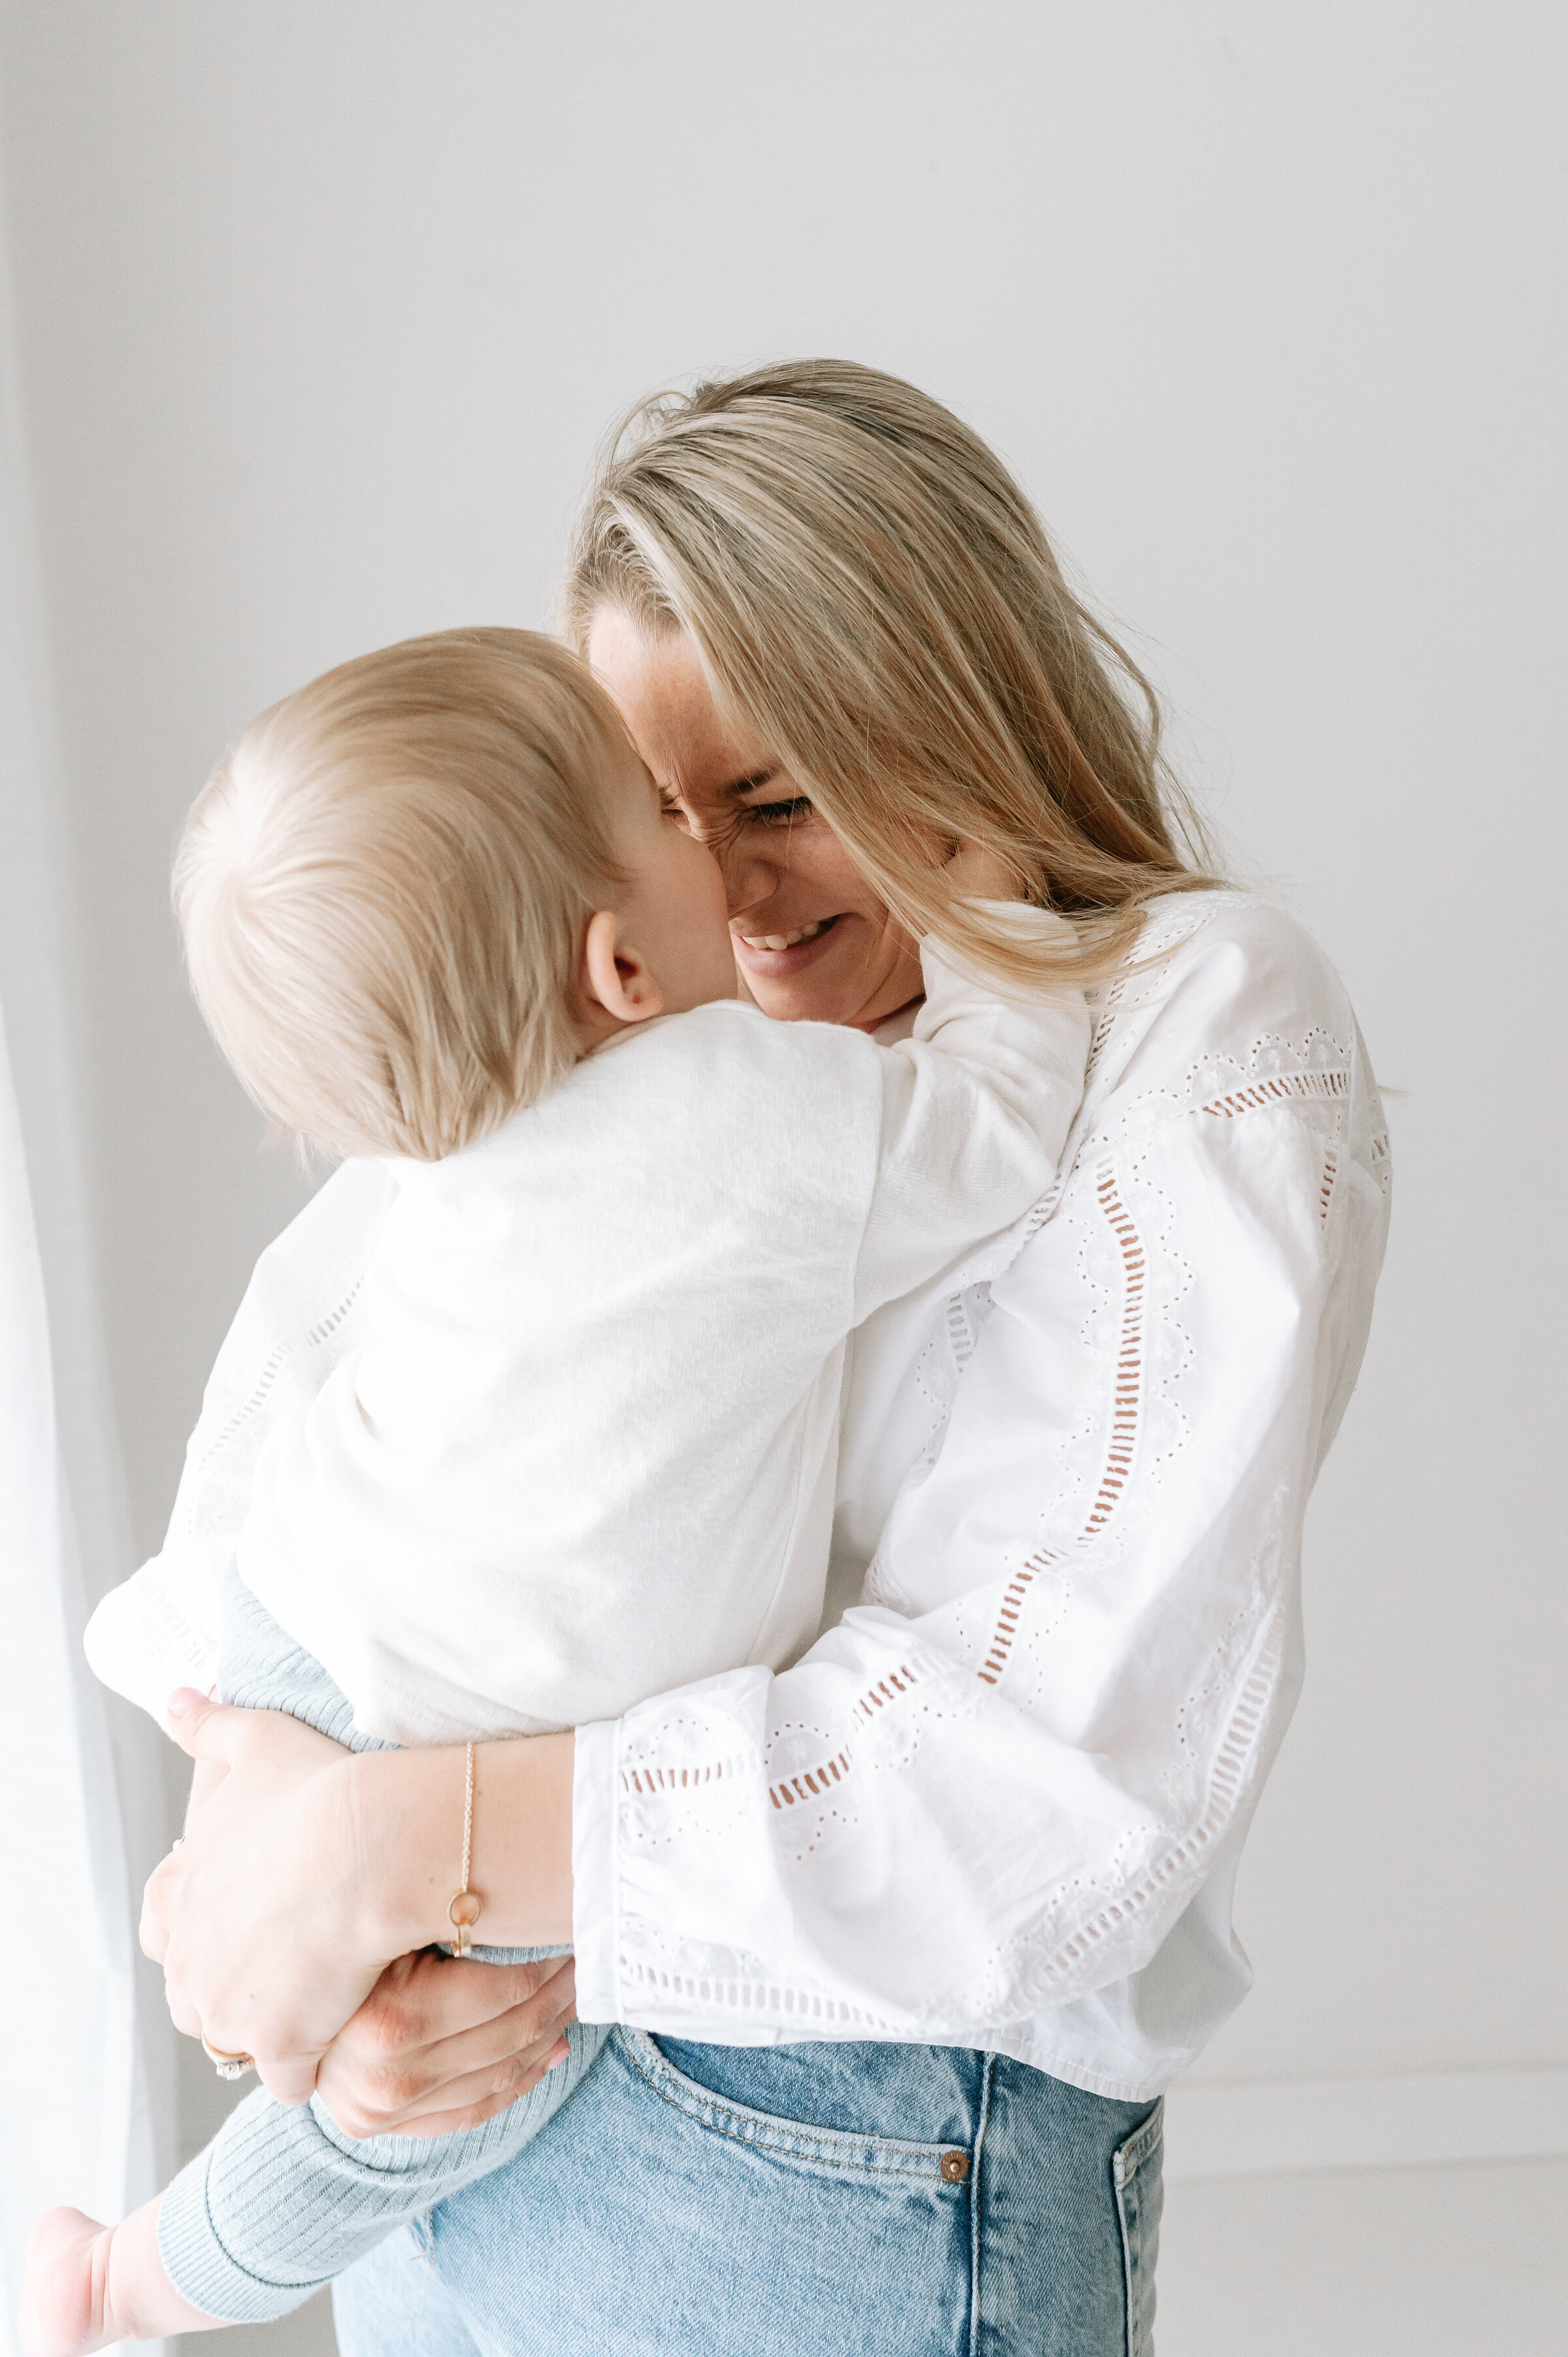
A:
(955, 2167)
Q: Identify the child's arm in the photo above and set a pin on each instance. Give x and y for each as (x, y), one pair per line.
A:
(976, 1108)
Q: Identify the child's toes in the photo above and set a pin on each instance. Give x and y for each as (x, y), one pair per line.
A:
(62, 2297)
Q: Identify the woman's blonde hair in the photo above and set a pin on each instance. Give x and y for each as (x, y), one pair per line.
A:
(874, 599)
(383, 888)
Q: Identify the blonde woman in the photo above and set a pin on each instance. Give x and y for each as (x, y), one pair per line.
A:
(903, 1942)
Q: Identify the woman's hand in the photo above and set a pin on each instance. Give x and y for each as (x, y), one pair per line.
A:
(206, 1777)
(439, 2045)
(256, 1917)
(307, 1870)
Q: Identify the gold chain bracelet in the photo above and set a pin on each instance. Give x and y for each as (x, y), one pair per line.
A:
(463, 1909)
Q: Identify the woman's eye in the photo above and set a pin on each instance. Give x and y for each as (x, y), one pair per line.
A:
(793, 812)
(674, 811)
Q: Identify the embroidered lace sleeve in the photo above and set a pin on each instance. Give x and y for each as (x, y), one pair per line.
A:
(997, 1784)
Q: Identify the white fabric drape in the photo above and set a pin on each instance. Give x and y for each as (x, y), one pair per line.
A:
(85, 2059)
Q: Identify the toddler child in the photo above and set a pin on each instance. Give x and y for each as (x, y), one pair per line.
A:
(584, 1451)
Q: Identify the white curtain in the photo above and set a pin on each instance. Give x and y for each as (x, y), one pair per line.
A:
(86, 2068)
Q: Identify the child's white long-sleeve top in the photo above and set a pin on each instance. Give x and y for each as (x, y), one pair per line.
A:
(585, 1451)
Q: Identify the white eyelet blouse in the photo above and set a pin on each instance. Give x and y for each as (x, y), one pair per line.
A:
(1001, 1801)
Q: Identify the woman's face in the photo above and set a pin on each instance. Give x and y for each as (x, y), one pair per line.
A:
(813, 939)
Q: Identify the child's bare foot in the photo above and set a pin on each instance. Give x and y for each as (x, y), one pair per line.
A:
(64, 2296)
(88, 2286)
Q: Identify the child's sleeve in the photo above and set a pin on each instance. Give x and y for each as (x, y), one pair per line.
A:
(282, 2202)
(976, 1108)
(301, 1313)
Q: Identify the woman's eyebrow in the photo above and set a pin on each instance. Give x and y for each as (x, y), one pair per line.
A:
(749, 785)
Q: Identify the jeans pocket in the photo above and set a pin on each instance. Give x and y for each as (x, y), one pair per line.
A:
(1137, 2173)
(945, 2169)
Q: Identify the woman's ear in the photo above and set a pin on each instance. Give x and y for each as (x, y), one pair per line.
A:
(615, 974)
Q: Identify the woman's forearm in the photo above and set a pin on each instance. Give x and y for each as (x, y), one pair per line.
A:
(406, 1827)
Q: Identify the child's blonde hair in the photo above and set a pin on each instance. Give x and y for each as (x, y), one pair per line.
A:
(876, 601)
(383, 888)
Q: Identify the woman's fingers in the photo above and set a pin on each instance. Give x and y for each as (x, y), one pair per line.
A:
(205, 1779)
(219, 1733)
(497, 2051)
(247, 1914)
(434, 2035)
(468, 2101)
(426, 2002)
(183, 2013)
(201, 1726)
(154, 1927)
(155, 1939)
(462, 2102)
(429, 2020)
(292, 2081)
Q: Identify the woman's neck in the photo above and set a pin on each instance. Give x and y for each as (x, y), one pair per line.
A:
(871, 1024)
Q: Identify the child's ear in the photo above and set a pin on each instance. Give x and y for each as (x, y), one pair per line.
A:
(617, 975)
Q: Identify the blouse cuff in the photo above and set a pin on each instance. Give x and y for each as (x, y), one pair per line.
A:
(596, 1878)
(143, 1642)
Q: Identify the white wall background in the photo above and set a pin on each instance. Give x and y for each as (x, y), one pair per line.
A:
(323, 304)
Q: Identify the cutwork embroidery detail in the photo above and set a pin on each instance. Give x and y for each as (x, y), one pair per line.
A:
(1280, 1089)
(674, 1779)
(328, 1329)
(814, 1782)
(1319, 1079)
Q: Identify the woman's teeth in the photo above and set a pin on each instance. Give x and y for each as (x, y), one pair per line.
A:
(785, 941)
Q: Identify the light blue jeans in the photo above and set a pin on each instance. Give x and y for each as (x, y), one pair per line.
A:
(818, 2200)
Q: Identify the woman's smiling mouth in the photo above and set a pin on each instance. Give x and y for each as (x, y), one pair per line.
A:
(785, 941)
(777, 956)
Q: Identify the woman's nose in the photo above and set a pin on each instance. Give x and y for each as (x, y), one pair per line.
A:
(749, 878)
(750, 872)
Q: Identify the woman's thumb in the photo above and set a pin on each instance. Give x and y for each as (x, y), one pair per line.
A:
(200, 1726)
